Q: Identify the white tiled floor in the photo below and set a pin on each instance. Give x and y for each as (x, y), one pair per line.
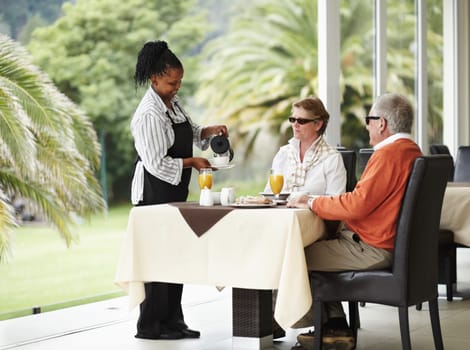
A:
(109, 325)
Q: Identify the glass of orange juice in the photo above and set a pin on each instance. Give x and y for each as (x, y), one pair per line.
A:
(276, 181)
(205, 178)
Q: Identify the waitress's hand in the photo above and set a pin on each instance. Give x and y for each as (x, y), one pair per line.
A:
(208, 131)
(197, 163)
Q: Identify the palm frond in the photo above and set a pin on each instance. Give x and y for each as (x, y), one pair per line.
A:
(48, 148)
(7, 222)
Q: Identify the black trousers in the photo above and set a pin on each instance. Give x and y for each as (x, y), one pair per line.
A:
(161, 308)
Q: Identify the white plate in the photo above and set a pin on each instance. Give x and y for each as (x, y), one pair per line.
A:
(253, 205)
(221, 167)
(282, 195)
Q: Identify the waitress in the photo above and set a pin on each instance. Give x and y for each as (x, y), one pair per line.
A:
(163, 137)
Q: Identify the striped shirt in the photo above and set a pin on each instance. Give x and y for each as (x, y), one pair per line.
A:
(153, 136)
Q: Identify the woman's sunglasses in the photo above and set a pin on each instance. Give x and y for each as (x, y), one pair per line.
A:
(302, 121)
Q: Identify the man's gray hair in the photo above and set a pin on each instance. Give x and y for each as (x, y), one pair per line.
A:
(397, 110)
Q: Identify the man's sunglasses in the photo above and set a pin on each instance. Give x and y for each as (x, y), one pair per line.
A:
(369, 117)
(302, 121)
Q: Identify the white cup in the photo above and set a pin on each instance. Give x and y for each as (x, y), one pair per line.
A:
(227, 196)
(216, 197)
(205, 199)
(220, 160)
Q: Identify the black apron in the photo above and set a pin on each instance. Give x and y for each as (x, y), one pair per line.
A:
(161, 308)
(157, 191)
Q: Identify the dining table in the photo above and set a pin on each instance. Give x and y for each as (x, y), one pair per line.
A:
(252, 249)
(455, 214)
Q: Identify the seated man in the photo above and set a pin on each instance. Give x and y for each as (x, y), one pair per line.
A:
(365, 239)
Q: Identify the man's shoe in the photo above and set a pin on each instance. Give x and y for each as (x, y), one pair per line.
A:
(333, 339)
(306, 339)
(190, 333)
(338, 344)
(338, 338)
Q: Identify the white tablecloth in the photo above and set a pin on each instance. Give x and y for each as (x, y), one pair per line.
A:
(247, 248)
(455, 214)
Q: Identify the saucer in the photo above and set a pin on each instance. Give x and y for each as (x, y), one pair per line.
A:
(282, 196)
(221, 167)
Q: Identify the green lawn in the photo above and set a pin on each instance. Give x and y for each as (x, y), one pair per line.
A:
(45, 273)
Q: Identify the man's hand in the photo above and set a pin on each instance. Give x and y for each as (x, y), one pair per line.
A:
(298, 202)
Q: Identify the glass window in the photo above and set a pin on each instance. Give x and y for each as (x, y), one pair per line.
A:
(357, 44)
(357, 63)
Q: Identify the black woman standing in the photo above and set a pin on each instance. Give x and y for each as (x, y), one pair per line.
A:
(163, 137)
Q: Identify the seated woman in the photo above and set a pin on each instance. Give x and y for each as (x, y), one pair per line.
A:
(307, 162)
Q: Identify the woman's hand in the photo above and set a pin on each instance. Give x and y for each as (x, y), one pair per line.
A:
(214, 130)
(196, 162)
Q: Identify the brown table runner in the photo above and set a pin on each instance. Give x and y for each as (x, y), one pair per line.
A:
(201, 218)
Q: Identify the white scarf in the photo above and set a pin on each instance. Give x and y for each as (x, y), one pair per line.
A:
(316, 153)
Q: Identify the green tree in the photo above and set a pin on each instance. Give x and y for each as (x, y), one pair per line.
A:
(401, 61)
(268, 58)
(90, 53)
(17, 13)
(356, 71)
(49, 152)
(33, 23)
(264, 62)
(435, 71)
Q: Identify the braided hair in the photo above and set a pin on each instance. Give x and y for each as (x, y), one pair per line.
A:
(154, 58)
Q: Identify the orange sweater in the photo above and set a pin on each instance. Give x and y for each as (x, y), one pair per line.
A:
(372, 209)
